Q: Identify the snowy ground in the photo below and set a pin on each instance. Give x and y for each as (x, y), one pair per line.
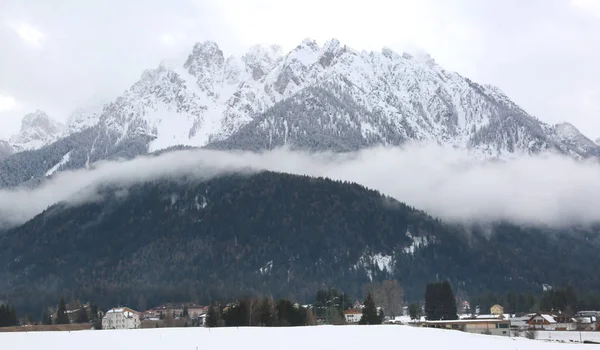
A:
(300, 338)
(568, 336)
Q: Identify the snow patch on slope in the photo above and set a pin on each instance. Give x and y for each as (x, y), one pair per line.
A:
(65, 159)
(265, 270)
(370, 262)
(417, 242)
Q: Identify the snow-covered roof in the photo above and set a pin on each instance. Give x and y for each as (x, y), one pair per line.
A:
(548, 318)
(490, 316)
(125, 310)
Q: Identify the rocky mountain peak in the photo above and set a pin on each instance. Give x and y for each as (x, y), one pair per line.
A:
(204, 55)
(85, 117)
(308, 43)
(261, 59)
(37, 129)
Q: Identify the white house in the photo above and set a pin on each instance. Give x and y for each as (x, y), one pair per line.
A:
(121, 318)
(352, 315)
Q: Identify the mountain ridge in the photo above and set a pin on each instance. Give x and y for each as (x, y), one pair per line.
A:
(265, 70)
(318, 98)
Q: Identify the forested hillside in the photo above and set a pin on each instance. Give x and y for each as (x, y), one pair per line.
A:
(270, 233)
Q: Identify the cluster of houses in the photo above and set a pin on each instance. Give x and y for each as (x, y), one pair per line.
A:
(499, 323)
(127, 318)
(496, 322)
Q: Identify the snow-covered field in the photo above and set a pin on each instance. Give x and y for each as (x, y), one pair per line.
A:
(299, 338)
(568, 336)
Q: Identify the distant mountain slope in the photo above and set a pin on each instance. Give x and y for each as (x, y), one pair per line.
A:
(37, 130)
(185, 239)
(75, 151)
(5, 149)
(328, 97)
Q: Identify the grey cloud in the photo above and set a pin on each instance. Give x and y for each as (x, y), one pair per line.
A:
(548, 189)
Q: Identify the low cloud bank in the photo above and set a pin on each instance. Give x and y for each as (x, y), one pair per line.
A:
(447, 183)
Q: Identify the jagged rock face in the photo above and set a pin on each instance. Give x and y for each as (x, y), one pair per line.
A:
(83, 118)
(328, 97)
(37, 130)
(210, 99)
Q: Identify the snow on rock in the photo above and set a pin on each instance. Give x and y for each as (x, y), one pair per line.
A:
(37, 130)
(372, 98)
(265, 270)
(417, 242)
(370, 262)
(200, 203)
(294, 338)
(84, 117)
(65, 159)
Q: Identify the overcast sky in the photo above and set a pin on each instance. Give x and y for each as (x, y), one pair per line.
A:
(61, 54)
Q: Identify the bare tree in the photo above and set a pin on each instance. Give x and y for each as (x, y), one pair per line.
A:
(310, 318)
(169, 317)
(388, 295)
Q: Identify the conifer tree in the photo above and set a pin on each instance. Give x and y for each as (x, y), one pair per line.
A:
(369, 312)
(212, 317)
(82, 315)
(414, 311)
(439, 302)
(46, 319)
(61, 313)
(8, 316)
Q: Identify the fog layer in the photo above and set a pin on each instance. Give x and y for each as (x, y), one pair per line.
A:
(447, 183)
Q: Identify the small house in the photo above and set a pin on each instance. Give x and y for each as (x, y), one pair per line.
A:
(497, 310)
(352, 315)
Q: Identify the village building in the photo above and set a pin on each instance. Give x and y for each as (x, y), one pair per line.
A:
(520, 322)
(352, 315)
(497, 310)
(202, 320)
(175, 310)
(542, 321)
(121, 318)
(495, 326)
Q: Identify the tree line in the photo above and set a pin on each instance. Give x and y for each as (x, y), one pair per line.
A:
(188, 239)
(8, 316)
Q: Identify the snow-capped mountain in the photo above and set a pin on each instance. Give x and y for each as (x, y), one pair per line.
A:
(346, 98)
(83, 118)
(328, 97)
(37, 130)
(597, 141)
